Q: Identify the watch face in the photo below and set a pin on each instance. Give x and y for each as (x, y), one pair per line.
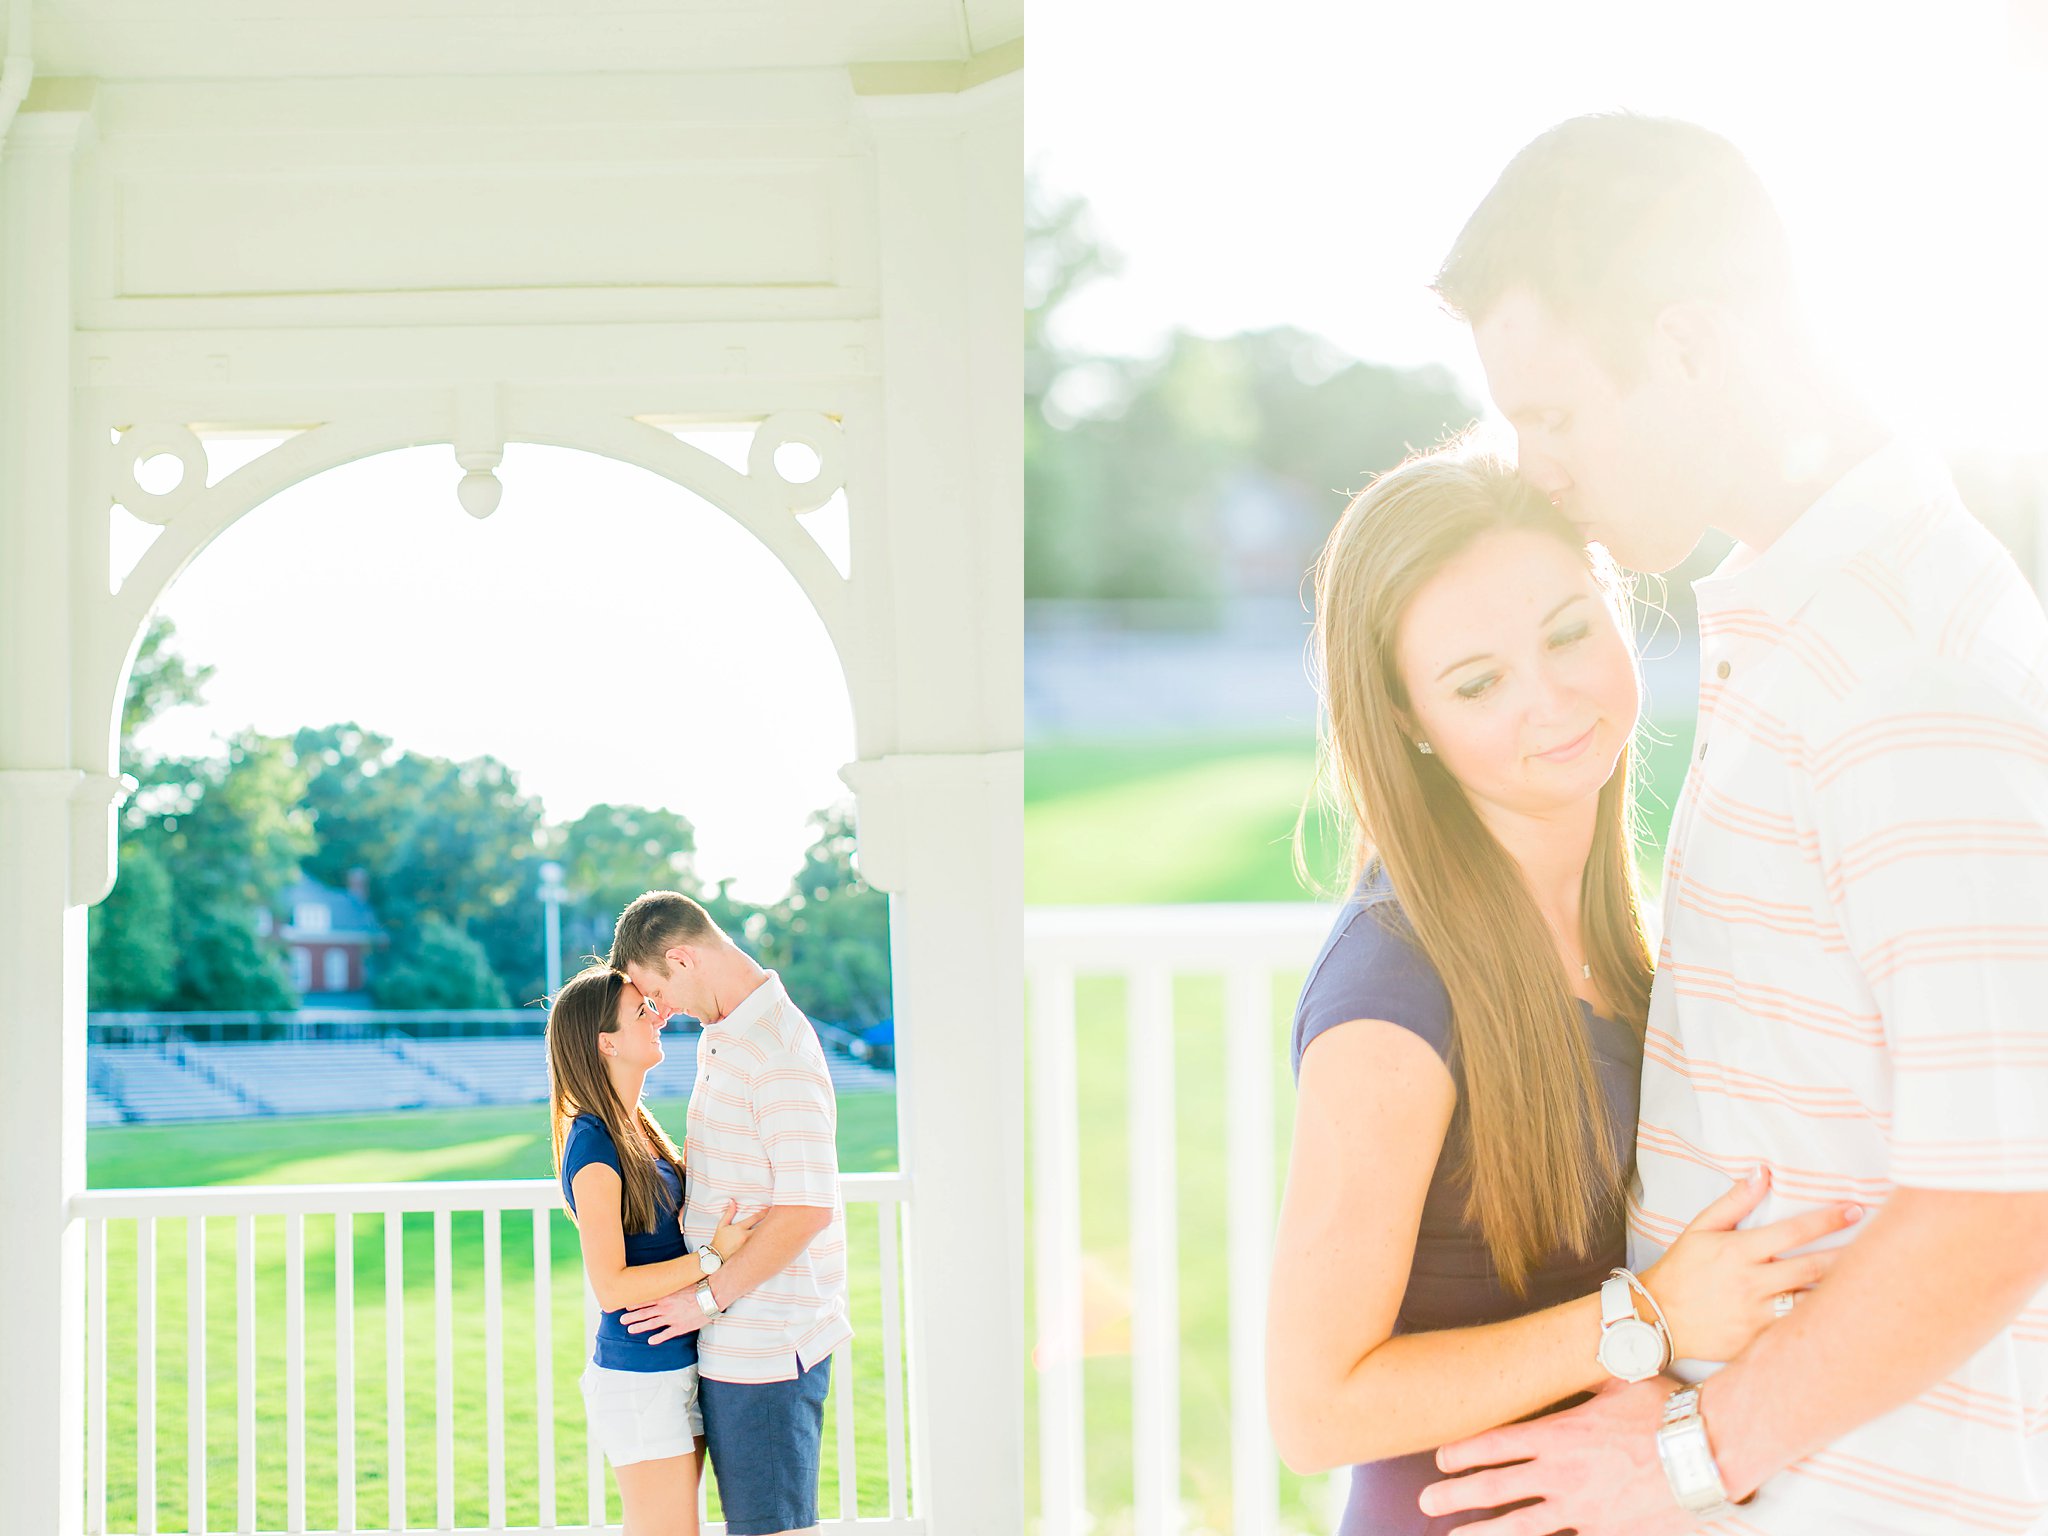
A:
(1632, 1350)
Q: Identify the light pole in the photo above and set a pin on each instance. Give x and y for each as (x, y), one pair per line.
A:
(551, 894)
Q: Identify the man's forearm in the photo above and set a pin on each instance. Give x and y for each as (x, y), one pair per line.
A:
(783, 1232)
(1931, 1280)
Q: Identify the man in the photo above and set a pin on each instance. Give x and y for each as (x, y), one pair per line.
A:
(762, 1131)
(1855, 961)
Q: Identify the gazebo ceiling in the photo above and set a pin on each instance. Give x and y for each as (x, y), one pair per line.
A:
(240, 39)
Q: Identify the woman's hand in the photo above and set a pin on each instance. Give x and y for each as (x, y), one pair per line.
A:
(732, 1235)
(1716, 1285)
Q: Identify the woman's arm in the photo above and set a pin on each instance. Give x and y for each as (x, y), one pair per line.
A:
(1375, 1103)
(617, 1284)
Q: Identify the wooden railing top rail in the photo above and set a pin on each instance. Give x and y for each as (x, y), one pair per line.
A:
(423, 1195)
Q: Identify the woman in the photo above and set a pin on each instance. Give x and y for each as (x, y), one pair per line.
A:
(1468, 1044)
(623, 1180)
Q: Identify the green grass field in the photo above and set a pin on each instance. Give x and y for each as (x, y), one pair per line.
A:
(1212, 819)
(494, 1143)
(1190, 821)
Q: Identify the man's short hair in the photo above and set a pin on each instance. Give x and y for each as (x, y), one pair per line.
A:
(1608, 218)
(654, 923)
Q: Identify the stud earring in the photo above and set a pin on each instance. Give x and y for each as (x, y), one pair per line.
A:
(1425, 749)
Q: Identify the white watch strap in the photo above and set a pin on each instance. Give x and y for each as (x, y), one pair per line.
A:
(1617, 1301)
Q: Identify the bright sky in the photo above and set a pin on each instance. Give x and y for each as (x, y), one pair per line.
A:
(606, 633)
(1311, 166)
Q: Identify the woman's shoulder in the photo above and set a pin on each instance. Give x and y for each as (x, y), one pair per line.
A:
(588, 1140)
(1372, 966)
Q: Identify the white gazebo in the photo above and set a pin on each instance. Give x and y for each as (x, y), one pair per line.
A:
(476, 222)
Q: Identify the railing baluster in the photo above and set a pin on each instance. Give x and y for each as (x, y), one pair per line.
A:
(593, 1458)
(95, 1208)
(494, 1364)
(444, 1375)
(295, 1372)
(96, 1377)
(1155, 1260)
(1056, 1215)
(544, 1361)
(245, 1373)
(842, 1398)
(1248, 1155)
(892, 1354)
(394, 1366)
(344, 1371)
(195, 1374)
(145, 1376)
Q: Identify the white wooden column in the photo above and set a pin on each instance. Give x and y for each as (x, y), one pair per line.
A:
(944, 834)
(941, 804)
(42, 923)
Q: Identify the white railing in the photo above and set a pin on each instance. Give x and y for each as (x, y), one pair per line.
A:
(1252, 949)
(107, 1214)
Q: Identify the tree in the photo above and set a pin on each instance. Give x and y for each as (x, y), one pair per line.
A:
(1128, 463)
(439, 967)
(160, 680)
(131, 960)
(1127, 507)
(468, 853)
(453, 842)
(1062, 255)
(829, 938)
(356, 819)
(231, 832)
(205, 845)
(612, 853)
(223, 964)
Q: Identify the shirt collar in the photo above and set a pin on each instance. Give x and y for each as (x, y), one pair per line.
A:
(752, 1008)
(1869, 501)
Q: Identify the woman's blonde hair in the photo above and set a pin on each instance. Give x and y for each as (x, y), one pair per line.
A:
(1539, 1168)
(586, 1007)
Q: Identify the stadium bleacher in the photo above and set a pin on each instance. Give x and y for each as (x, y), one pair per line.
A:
(181, 1080)
(502, 1071)
(146, 1082)
(325, 1077)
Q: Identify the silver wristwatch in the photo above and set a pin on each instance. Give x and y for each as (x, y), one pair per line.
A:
(710, 1260)
(1630, 1348)
(1689, 1464)
(706, 1302)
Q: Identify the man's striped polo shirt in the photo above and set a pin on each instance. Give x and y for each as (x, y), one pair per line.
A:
(1853, 982)
(763, 1129)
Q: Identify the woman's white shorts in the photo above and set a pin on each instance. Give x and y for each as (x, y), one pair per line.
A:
(642, 1415)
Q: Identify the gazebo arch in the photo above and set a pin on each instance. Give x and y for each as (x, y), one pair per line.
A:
(193, 514)
(390, 226)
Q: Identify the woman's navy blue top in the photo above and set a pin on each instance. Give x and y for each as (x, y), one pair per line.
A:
(1371, 967)
(589, 1142)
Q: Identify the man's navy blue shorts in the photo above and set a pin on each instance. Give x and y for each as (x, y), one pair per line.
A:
(763, 1437)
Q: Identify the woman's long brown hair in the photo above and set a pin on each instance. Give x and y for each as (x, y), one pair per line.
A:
(1539, 1169)
(586, 1007)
